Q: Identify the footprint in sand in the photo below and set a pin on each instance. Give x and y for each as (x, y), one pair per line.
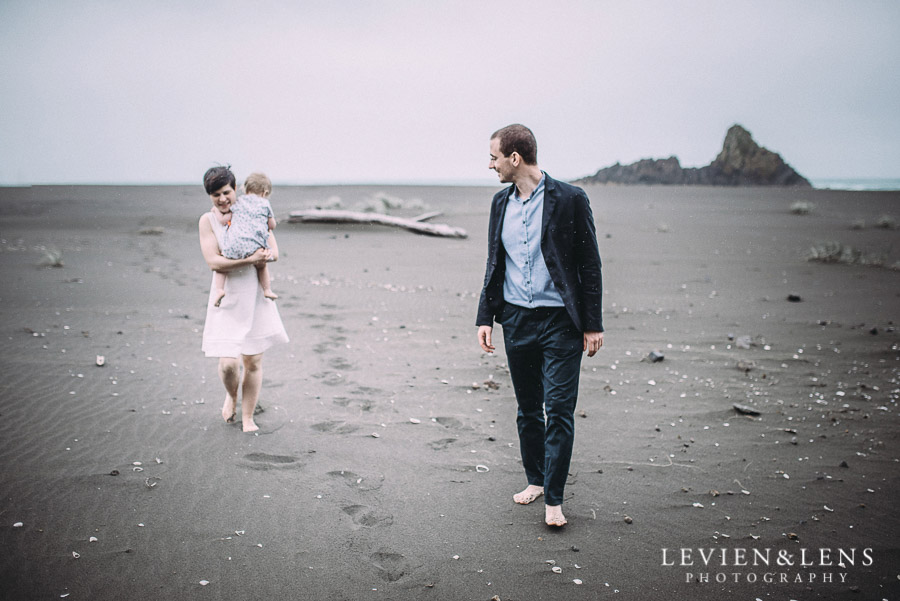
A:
(264, 461)
(330, 378)
(356, 481)
(449, 422)
(391, 566)
(367, 391)
(340, 363)
(364, 405)
(367, 516)
(334, 427)
(443, 443)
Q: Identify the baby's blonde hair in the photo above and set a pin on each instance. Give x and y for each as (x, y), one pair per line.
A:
(258, 183)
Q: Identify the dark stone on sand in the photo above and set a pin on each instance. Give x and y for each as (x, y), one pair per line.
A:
(844, 464)
(794, 298)
(742, 162)
(654, 357)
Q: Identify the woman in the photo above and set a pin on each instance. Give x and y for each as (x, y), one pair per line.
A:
(246, 323)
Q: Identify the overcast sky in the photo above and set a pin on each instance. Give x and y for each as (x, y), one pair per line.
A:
(409, 91)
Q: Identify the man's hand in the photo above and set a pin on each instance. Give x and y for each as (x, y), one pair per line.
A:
(592, 342)
(484, 338)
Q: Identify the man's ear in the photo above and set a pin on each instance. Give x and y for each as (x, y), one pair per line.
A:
(515, 157)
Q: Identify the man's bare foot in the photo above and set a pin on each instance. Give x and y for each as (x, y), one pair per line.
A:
(229, 409)
(220, 294)
(250, 425)
(528, 495)
(269, 294)
(553, 515)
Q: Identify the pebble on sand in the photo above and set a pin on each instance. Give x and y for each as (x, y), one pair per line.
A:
(745, 409)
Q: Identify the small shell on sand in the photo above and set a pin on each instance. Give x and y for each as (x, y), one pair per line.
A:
(101, 360)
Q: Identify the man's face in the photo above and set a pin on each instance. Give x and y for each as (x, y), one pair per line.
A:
(501, 164)
(223, 198)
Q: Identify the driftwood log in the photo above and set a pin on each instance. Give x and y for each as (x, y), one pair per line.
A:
(415, 224)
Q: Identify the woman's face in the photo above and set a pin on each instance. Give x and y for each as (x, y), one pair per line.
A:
(223, 198)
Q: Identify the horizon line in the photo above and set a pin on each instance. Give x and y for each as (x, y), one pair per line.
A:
(477, 182)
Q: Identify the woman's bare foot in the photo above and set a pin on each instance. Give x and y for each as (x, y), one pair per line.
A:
(220, 294)
(528, 495)
(229, 409)
(250, 425)
(553, 515)
(269, 294)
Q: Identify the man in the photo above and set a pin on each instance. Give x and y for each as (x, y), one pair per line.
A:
(543, 285)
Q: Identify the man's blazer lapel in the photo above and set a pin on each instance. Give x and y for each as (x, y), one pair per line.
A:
(498, 222)
(551, 195)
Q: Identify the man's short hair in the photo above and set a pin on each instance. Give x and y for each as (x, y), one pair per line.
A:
(258, 183)
(517, 138)
(216, 178)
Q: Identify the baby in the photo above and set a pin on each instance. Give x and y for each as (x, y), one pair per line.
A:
(249, 223)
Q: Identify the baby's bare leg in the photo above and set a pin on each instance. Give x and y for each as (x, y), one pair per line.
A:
(265, 281)
(219, 285)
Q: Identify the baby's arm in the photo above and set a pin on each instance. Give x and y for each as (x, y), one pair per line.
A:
(271, 223)
(223, 218)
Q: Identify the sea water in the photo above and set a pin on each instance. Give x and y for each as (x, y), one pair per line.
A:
(856, 183)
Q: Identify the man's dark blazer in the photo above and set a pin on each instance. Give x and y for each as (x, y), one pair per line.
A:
(569, 246)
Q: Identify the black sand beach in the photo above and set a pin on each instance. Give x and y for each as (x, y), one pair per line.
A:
(388, 456)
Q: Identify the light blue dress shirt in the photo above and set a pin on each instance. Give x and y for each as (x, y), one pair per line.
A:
(528, 283)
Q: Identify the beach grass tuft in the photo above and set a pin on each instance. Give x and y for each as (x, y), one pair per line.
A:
(886, 222)
(802, 207)
(52, 258)
(836, 252)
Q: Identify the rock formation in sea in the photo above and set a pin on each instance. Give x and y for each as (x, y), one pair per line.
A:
(742, 162)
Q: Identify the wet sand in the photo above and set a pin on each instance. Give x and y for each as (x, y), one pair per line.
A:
(387, 456)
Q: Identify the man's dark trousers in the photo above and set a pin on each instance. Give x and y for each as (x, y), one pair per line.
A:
(543, 349)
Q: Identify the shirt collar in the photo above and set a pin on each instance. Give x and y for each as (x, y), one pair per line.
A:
(539, 188)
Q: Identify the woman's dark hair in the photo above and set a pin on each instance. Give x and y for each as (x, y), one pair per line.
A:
(218, 177)
(517, 138)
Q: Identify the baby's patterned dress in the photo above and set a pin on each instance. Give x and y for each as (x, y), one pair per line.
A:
(249, 229)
